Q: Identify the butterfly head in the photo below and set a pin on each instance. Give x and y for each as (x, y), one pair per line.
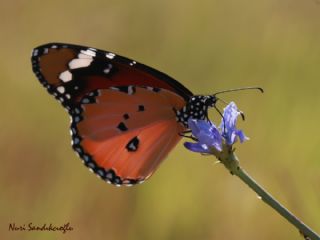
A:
(210, 100)
(198, 105)
(196, 108)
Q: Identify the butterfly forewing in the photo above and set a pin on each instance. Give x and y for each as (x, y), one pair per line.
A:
(70, 71)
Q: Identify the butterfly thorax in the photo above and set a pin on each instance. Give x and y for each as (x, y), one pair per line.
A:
(196, 108)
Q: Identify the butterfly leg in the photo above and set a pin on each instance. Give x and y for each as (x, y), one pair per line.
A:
(206, 117)
(184, 134)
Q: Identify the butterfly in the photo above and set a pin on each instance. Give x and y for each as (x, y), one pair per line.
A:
(125, 116)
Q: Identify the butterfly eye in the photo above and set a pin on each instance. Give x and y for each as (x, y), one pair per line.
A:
(211, 101)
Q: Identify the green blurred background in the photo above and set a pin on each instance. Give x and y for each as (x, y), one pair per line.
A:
(208, 46)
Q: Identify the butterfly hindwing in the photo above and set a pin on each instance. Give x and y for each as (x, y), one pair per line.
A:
(123, 133)
(70, 71)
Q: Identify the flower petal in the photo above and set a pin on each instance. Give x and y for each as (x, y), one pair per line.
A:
(228, 124)
(197, 147)
(242, 136)
(192, 123)
(198, 126)
(230, 115)
(207, 134)
(214, 137)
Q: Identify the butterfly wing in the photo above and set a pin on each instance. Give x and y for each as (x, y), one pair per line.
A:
(71, 71)
(124, 133)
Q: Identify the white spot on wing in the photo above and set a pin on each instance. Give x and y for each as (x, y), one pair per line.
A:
(107, 69)
(76, 119)
(81, 55)
(61, 89)
(65, 76)
(89, 52)
(132, 146)
(85, 100)
(130, 90)
(86, 158)
(35, 52)
(132, 63)
(110, 55)
(76, 140)
(80, 63)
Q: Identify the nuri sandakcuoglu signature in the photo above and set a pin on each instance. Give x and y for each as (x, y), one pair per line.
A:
(44, 227)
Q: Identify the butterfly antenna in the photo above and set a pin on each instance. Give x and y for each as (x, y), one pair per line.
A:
(224, 123)
(242, 116)
(235, 90)
(240, 89)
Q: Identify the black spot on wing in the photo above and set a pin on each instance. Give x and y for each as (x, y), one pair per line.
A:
(133, 144)
(140, 108)
(156, 89)
(153, 89)
(122, 127)
(126, 116)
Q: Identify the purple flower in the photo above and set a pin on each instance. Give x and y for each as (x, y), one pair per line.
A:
(209, 136)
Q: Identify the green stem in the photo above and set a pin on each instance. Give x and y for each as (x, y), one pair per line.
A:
(232, 164)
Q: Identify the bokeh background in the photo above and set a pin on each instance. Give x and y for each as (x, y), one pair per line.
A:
(208, 45)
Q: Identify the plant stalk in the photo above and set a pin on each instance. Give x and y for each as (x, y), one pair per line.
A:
(231, 162)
